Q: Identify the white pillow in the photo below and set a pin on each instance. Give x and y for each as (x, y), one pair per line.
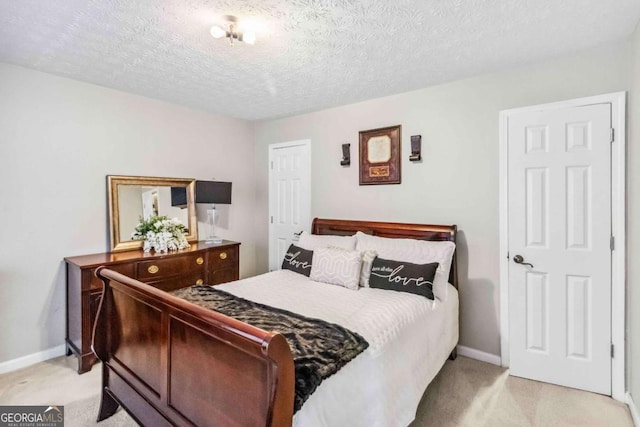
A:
(414, 251)
(367, 263)
(312, 241)
(336, 266)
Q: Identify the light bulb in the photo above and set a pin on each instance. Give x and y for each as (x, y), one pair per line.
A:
(249, 37)
(217, 32)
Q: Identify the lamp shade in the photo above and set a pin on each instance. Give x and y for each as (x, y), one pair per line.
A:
(216, 192)
(179, 197)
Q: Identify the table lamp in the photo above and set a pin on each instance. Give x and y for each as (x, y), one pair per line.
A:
(213, 192)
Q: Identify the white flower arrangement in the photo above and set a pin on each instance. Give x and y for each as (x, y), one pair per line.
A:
(161, 234)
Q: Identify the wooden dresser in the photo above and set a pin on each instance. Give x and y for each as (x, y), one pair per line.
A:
(201, 264)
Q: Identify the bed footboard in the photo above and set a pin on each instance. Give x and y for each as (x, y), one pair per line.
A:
(170, 362)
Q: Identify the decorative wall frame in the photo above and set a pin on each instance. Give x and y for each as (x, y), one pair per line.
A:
(380, 156)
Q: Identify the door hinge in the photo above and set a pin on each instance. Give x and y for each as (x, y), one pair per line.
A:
(612, 243)
(271, 164)
(613, 134)
(271, 219)
(612, 351)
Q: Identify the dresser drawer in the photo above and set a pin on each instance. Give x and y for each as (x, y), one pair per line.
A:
(151, 270)
(95, 283)
(168, 285)
(223, 258)
(223, 275)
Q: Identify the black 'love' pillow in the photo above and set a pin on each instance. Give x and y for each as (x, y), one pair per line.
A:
(403, 276)
(298, 260)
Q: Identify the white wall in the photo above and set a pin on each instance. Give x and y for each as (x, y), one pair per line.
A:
(129, 209)
(633, 226)
(59, 138)
(457, 182)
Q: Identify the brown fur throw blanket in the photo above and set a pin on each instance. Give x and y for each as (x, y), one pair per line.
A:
(320, 349)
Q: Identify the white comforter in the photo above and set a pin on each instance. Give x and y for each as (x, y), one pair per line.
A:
(409, 340)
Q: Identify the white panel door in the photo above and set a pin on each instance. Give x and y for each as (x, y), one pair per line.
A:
(289, 196)
(560, 223)
(149, 203)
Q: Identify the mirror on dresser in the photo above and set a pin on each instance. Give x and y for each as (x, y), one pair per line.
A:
(133, 197)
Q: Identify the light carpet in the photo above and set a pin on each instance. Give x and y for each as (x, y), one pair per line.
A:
(465, 393)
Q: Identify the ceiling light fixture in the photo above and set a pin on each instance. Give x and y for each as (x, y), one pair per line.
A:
(231, 31)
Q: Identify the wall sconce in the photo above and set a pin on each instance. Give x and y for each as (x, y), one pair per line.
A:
(346, 155)
(416, 143)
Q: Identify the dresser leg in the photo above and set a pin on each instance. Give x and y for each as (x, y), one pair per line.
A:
(85, 362)
(108, 405)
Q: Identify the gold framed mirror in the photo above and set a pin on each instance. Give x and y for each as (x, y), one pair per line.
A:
(135, 197)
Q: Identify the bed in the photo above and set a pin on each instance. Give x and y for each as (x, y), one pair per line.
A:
(170, 362)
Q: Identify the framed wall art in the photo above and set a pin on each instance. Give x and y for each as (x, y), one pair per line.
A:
(380, 156)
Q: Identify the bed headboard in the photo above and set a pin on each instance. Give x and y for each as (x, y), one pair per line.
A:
(396, 230)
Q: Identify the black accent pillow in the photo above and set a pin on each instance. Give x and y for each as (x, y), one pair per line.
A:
(298, 260)
(403, 276)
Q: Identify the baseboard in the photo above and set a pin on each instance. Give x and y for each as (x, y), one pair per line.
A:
(30, 359)
(479, 355)
(635, 414)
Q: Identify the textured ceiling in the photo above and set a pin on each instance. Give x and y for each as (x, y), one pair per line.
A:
(313, 54)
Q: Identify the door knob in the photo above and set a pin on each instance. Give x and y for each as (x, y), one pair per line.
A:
(519, 260)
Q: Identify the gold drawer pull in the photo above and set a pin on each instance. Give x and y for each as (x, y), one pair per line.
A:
(199, 282)
(223, 255)
(200, 260)
(153, 269)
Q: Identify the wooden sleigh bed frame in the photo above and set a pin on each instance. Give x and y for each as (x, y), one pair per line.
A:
(167, 361)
